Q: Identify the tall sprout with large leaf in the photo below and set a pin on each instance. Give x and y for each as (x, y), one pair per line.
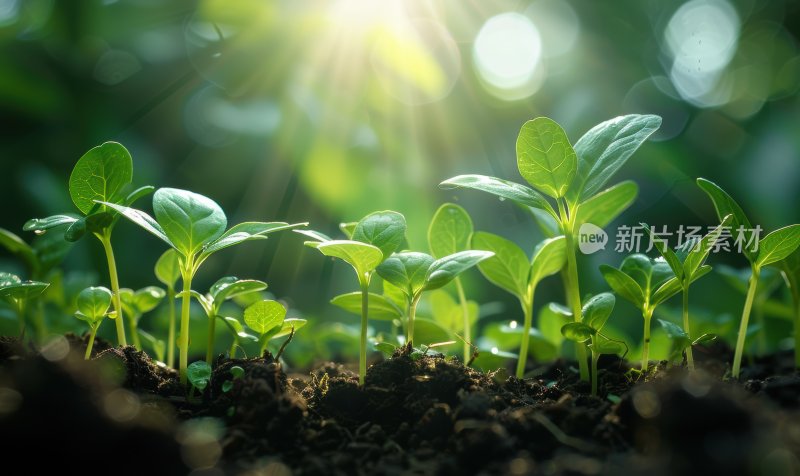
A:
(374, 238)
(101, 178)
(645, 283)
(450, 231)
(414, 273)
(168, 271)
(773, 249)
(195, 227)
(572, 177)
(511, 270)
(688, 265)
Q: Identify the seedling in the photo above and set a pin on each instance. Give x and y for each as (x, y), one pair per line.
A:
(194, 226)
(93, 305)
(770, 250)
(236, 373)
(596, 312)
(101, 178)
(168, 271)
(374, 238)
(645, 283)
(17, 293)
(158, 346)
(414, 273)
(265, 318)
(199, 374)
(511, 270)
(224, 289)
(574, 179)
(137, 303)
(450, 231)
(680, 340)
(687, 264)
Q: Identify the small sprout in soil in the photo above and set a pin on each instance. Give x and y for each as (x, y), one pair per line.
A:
(101, 178)
(511, 270)
(645, 283)
(771, 250)
(168, 271)
(236, 373)
(596, 312)
(374, 238)
(680, 341)
(135, 304)
(18, 292)
(195, 227)
(574, 179)
(266, 318)
(199, 375)
(93, 304)
(688, 265)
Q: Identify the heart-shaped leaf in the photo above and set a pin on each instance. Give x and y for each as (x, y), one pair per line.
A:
(199, 374)
(597, 310)
(362, 257)
(545, 157)
(577, 331)
(100, 176)
(406, 270)
(190, 220)
(168, 269)
(508, 268)
(380, 307)
(385, 230)
(264, 316)
(450, 230)
(548, 258)
(93, 303)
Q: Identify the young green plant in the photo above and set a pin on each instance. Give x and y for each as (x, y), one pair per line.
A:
(18, 292)
(511, 270)
(596, 312)
(195, 227)
(574, 178)
(136, 303)
(414, 273)
(101, 178)
(450, 231)
(168, 271)
(687, 264)
(266, 318)
(646, 284)
(374, 238)
(93, 305)
(680, 342)
(770, 250)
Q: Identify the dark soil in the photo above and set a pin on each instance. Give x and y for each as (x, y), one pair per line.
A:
(121, 413)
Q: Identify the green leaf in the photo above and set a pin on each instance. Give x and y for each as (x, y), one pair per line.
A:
(778, 245)
(168, 269)
(725, 205)
(546, 222)
(380, 307)
(623, 285)
(444, 270)
(93, 303)
(704, 339)
(264, 316)
(190, 221)
(548, 258)
(508, 268)
(385, 348)
(577, 331)
(140, 192)
(288, 324)
(597, 310)
(672, 286)
(450, 230)
(550, 324)
(245, 232)
(8, 279)
(545, 158)
(147, 298)
(159, 346)
(199, 374)
(673, 330)
(100, 176)
(448, 313)
(314, 235)
(666, 252)
(236, 327)
(40, 225)
(11, 287)
(699, 252)
(385, 230)
(18, 248)
(230, 287)
(504, 189)
(348, 229)
(406, 270)
(604, 346)
(604, 207)
(362, 257)
(143, 220)
(606, 148)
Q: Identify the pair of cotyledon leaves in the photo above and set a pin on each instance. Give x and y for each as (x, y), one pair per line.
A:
(595, 312)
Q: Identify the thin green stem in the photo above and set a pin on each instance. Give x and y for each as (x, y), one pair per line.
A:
(362, 355)
(689, 356)
(412, 312)
(212, 329)
(573, 289)
(133, 328)
(112, 273)
(21, 316)
(796, 305)
(748, 305)
(171, 331)
(462, 300)
(527, 309)
(263, 347)
(183, 345)
(648, 315)
(92, 334)
(595, 358)
(234, 345)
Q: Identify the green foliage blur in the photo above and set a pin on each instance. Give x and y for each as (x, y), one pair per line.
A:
(326, 110)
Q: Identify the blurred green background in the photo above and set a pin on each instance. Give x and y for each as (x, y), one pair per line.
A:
(323, 111)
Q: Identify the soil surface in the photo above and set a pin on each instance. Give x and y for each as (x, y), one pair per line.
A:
(121, 413)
